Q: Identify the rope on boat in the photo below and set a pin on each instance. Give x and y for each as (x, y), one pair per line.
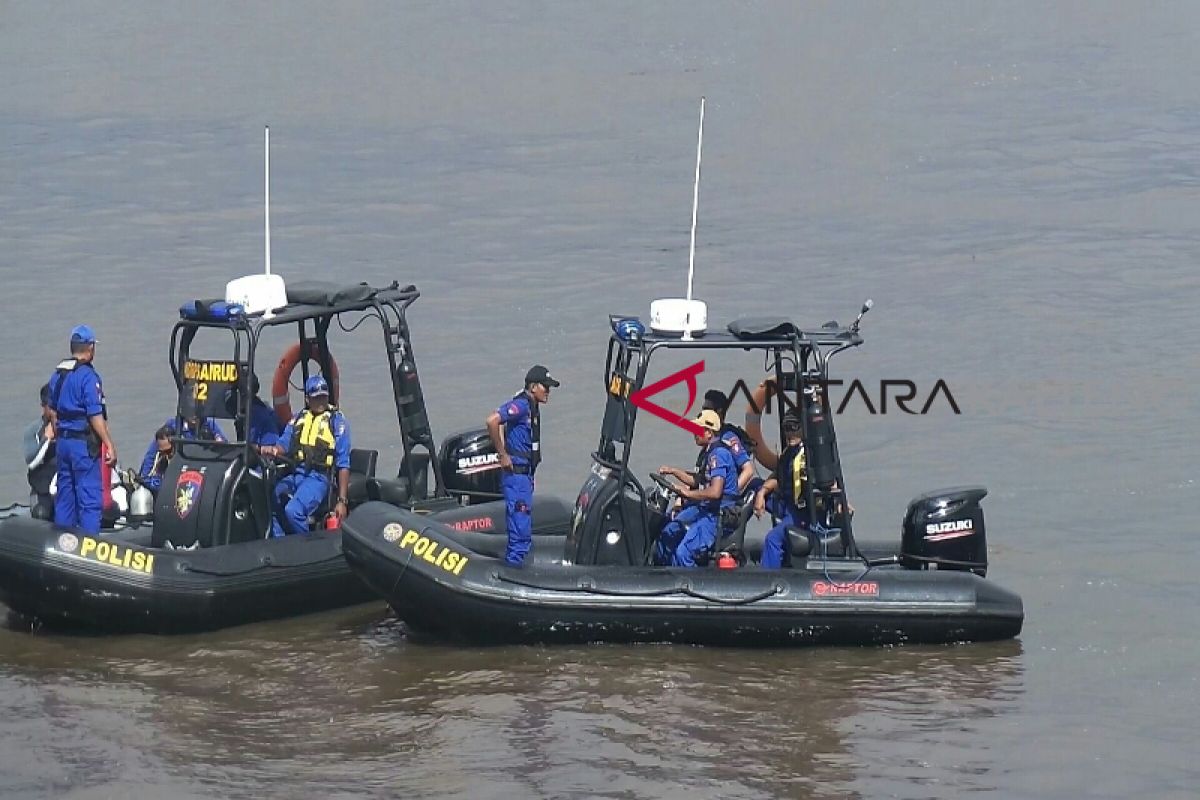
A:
(258, 567)
(684, 590)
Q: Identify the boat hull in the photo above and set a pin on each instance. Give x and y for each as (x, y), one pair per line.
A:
(439, 587)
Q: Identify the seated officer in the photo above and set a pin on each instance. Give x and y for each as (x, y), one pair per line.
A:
(264, 425)
(196, 429)
(736, 439)
(154, 463)
(712, 490)
(787, 487)
(318, 440)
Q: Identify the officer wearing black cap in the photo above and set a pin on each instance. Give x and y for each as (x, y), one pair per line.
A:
(77, 405)
(520, 451)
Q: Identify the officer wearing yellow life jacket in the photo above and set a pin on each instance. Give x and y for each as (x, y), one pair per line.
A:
(318, 440)
(787, 504)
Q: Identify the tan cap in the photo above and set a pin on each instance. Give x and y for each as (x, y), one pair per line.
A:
(709, 419)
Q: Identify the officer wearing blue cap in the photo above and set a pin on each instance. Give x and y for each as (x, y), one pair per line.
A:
(318, 440)
(520, 452)
(77, 406)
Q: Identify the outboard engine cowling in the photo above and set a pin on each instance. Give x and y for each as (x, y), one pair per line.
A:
(944, 529)
(471, 466)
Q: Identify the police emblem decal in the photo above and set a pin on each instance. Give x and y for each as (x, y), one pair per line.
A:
(392, 531)
(187, 491)
(68, 542)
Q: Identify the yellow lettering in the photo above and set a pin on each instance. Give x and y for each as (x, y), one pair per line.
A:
(102, 549)
(88, 546)
(451, 561)
(149, 563)
(114, 556)
(139, 560)
(442, 557)
(462, 562)
(421, 546)
(410, 536)
(429, 552)
(125, 560)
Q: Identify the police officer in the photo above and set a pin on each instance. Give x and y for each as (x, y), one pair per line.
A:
(785, 488)
(195, 428)
(40, 461)
(264, 425)
(158, 456)
(737, 440)
(520, 451)
(318, 440)
(77, 405)
(712, 490)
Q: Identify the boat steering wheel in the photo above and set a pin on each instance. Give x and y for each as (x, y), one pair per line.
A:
(667, 490)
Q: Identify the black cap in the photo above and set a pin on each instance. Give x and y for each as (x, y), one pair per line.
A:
(716, 400)
(539, 374)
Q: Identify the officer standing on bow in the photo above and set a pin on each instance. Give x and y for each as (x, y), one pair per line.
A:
(520, 451)
(77, 406)
(318, 440)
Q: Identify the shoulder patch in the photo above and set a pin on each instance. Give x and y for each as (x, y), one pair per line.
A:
(513, 409)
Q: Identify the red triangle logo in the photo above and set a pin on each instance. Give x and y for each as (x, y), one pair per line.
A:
(640, 398)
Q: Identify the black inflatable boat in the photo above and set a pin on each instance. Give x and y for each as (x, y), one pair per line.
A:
(204, 559)
(931, 588)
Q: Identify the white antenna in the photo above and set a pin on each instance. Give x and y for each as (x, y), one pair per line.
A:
(687, 333)
(677, 314)
(267, 195)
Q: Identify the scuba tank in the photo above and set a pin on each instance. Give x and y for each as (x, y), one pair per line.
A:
(141, 505)
(822, 457)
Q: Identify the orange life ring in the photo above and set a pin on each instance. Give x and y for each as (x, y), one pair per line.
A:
(758, 402)
(283, 375)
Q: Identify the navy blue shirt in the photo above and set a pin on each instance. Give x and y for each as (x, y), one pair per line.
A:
(264, 425)
(208, 426)
(518, 429)
(81, 396)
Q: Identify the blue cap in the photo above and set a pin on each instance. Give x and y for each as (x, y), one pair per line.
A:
(316, 385)
(82, 334)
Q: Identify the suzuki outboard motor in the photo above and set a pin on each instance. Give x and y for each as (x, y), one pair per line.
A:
(944, 529)
(470, 466)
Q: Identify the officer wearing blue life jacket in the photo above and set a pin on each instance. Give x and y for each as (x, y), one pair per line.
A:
(785, 488)
(737, 440)
(710, 491)
(318, 440)
(156, 460)
(80, 426)
(520, 451)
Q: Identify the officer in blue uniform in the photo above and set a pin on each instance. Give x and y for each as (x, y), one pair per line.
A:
(712, 490)
(40, 460)
(786, 492)
(737, 440)
(520, 452)
(77, 404)
(318, 440)
(195, 428)
(156, 460)
(264, 425)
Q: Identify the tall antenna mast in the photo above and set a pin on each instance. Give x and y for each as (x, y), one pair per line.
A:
(267, 196)
(687, 333)
(677, 314)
